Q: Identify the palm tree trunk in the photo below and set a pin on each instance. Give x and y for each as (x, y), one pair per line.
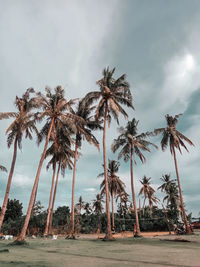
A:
(188, 231)
(113, 219)
(73, 190)
(143, 205)
(167, 219)
(32, 197)
(109, 233)
(5, 202)
(54, 197)
(137, 233)
(139, 208)
(50, 199)
(32, 211)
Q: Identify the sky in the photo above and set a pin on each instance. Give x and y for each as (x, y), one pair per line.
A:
(68, 43)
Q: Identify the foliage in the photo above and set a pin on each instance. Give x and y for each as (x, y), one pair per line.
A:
(14, 210)
(61, 216)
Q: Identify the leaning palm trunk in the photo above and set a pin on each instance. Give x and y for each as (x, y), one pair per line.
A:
(113, 219)
(73, 190)
(32, 211)
(32, 197)
(3, 211)
(188, 231)
(50, 200)
(109, 233)
(137, 233)
(53, 202)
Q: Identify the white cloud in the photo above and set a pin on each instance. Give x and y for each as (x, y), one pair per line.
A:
(21, 180)
(91, 189)
(181, 80)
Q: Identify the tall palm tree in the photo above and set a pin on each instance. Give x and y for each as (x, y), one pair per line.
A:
(56, 108)
(132, 145)
(115, 184)
(175, 139)
(83, 132)
(61, 153)
(113, 93)
(23, 124)
(148, 192)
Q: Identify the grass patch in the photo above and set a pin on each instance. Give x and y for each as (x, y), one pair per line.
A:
(127, 251)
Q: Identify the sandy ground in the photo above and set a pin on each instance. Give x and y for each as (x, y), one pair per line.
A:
(154, 250)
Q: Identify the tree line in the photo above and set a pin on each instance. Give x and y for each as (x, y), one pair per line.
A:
(67, 123)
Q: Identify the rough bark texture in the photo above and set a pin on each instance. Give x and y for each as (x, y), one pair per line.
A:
(5, 202)
(137, 233)
(32, 197)
(73, 190)
(109, 233)
(46, 231)
(188, 231)
(113, 219)
(53, 202)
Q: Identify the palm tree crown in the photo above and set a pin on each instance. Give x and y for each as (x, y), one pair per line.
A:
(148, 192)
(23, 119)
(97, 204)
(113, 93)
(129, 138)
(167, 182)
(172, 136)
(116, 186)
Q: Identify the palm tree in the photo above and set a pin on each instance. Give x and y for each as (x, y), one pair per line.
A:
(80, 204)
(63, 163)
(87, 208)
(148, 192)
(167, 182)
(98, 209)
(83, 132)
(170, 188)
(113, 93)
(3, 169)
(97, 204)
(115, 184)
(61, 153)
(123, 203)
(56, 108)
(175, 139)
(23, 124)
(132, 145)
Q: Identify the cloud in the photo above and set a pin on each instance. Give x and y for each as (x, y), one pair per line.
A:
(91, 189)
(23, 181)
(69, 43)
(181, 80)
